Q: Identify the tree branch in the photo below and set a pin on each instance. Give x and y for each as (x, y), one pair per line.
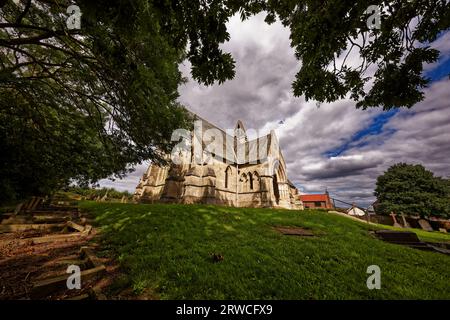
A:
(25, 11)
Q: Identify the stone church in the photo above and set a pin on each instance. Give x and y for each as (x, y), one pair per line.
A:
(232, 170)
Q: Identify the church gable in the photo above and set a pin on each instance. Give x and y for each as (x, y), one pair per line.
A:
(238, 172)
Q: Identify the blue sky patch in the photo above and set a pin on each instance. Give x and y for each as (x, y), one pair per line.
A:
(378, 122)
(442, 71)
(375, 128)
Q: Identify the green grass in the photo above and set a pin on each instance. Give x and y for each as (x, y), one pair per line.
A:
(165, 250)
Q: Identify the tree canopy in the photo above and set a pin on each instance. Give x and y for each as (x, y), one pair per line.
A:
(412, 190)
(93, 101)
(322, 32)
(83, 104)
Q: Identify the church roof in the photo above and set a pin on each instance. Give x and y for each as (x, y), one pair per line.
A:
(240, 150)
(314, 197)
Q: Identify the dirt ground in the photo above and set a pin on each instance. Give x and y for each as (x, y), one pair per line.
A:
(24, 262)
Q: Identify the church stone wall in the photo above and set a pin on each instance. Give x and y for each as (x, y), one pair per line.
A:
(260, 184)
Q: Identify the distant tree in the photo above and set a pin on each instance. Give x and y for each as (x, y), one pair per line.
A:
(92, 193)
(412, 190)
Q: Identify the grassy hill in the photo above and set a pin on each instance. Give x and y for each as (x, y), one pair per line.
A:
(165, 250)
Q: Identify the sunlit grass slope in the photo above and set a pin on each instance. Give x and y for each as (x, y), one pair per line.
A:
(166, 250)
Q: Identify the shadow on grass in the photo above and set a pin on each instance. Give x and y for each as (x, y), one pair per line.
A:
(167, 249)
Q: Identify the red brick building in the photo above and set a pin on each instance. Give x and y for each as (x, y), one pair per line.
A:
(312, 201)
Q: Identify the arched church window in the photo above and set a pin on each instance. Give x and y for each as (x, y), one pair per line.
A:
(256, 181)
(276, 191)
(243, 182)
(227, 176)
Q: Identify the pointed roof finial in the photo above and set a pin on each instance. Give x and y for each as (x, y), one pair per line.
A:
(239, 132)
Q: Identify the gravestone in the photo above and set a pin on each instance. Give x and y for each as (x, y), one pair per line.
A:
(401, 237)
(407, 238)
(103, 199)
(295, 231)
(29, 203)
(405, 223)
(425, 225)
(18, 208)
(396, 224)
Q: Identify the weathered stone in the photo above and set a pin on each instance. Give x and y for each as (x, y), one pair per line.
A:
(28, 204)
(395, 223)
(406, 238)
(18, 208)
(17, 220)
(425, 225)
(87, 229)
(295, 231)
(255, 177)
(405, 223)
(75, 226)
(50, 218)
(24, 227)
(55, 238)
(103, 199)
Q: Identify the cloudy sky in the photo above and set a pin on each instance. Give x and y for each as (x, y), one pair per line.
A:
(332, 145)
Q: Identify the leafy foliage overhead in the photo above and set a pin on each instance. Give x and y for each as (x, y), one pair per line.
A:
(322, 31)
(112, 85)
(83, 104)
(413, 190)
(388, 72)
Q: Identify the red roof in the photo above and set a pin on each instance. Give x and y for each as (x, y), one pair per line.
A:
(314, 197)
